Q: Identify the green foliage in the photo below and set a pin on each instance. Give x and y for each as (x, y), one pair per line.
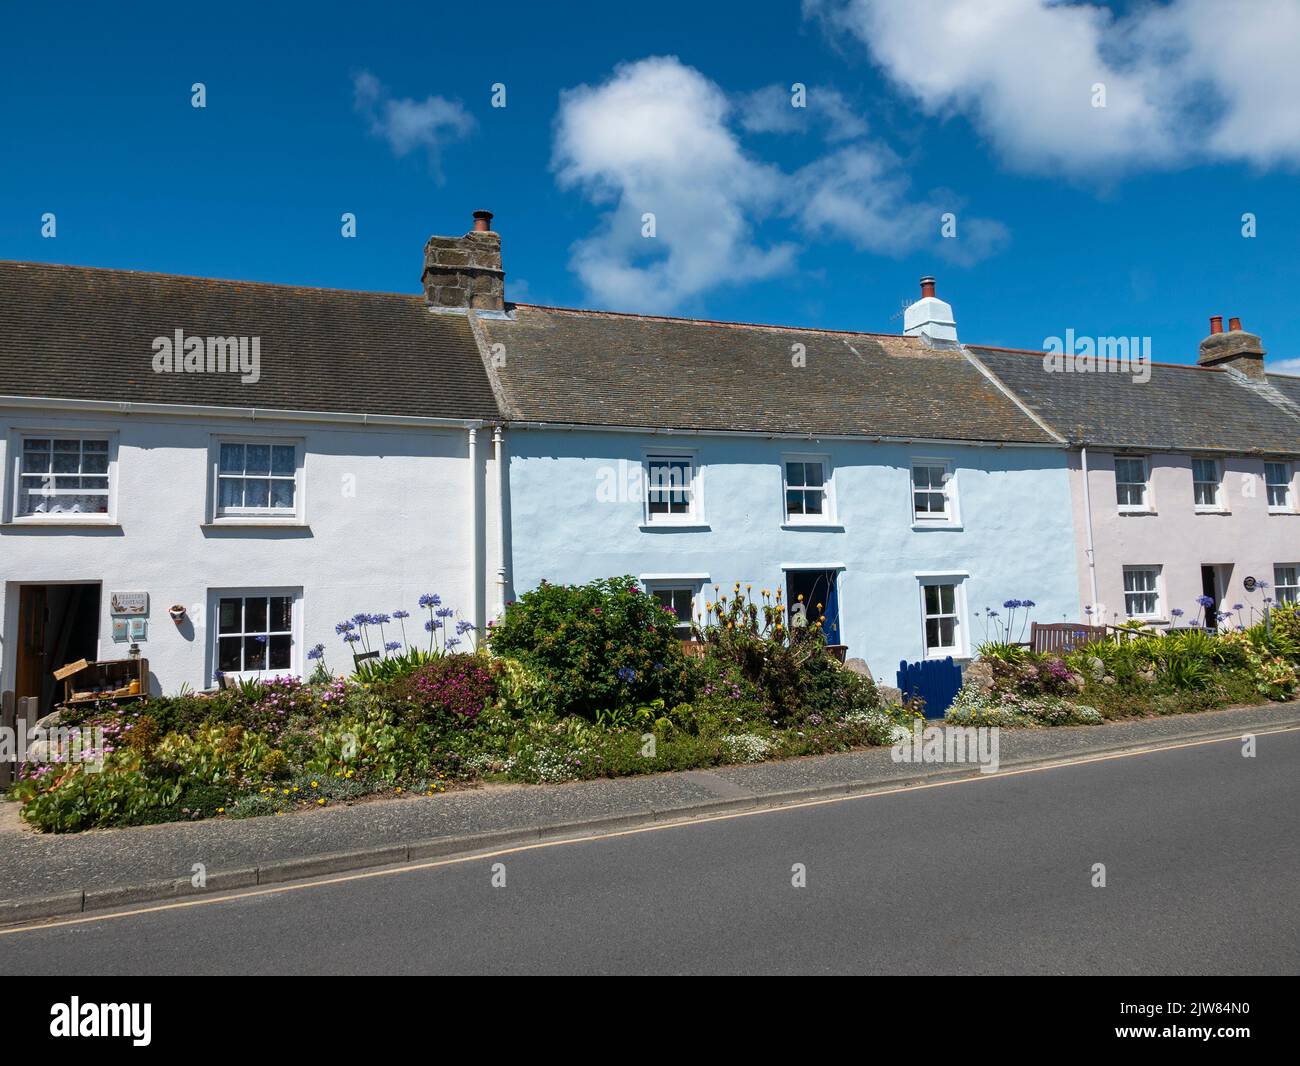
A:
(1012, 654)
(394, 667)
(597, 646)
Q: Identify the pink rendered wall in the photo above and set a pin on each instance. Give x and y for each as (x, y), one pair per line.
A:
(1246, 540)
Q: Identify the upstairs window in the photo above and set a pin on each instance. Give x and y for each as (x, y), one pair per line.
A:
(1277, 485)
(806, 491)
(1205, 484)
(670, 488)
(931, 492)
(1131, 484)
(256, 478)
(63, 474)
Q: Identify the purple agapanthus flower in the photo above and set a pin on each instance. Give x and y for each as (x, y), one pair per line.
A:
(464, 626)
(317, 652)
(431, 625)
(1177, 612)
(392, 645)
(401, 614)
(351, 638)
(1205, 601)
(430, 599)
(344, 627)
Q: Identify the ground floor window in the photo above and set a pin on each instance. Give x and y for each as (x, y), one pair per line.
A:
(1286, 583)
(941, 611)
(1141, 592)
(255, 632)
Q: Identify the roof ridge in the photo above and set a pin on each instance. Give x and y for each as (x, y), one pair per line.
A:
(707, 321)
(200, 277)
(1039, 353)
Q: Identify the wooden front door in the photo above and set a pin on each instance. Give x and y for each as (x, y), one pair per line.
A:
(29, 674)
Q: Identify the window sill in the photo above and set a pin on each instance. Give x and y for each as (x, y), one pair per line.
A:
(822, 527)
(1281, 511)
(254, 523)
(1137, 512)
(952, 527)
(1213, 510)
(675, 527)
(62, 523)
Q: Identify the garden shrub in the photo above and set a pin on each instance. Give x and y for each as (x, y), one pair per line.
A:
(602, 645)
(454, 687)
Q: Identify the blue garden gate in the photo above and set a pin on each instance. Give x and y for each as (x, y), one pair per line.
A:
(936, 681)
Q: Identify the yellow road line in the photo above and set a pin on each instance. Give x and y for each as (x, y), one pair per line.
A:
(678, 824)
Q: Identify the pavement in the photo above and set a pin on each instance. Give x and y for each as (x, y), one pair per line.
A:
(44, 875)
(988, 875)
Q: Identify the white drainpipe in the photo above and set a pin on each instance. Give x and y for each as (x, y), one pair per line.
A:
(476, 534)
(1087, 516)
(503, 482)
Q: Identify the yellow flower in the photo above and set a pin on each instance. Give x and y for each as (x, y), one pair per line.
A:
(221, 810)
(321, 802)
(286, 791)
(399, 790)
(314, 785)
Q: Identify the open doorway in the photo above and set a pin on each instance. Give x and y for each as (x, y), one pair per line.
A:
(57, 624)
(817, 592)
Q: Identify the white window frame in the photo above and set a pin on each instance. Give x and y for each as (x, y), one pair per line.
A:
(15, 452)
(1286, 484)
(1291, 586)
(691, 584)
(961, 631)
(695, 515)
(1216, 507)
(1156, 590)
(216, 595)
(951, 518)
(276, 516)
(827, 517)
(1147, 506)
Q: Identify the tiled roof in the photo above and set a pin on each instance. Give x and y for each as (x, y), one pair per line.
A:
(1179, 408)
(80, 333)
(604, 369)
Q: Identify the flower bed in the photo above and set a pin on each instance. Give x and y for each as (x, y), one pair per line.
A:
(1137, 672)
(581, 682)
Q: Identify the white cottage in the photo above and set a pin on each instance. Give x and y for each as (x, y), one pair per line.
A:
(218, 472)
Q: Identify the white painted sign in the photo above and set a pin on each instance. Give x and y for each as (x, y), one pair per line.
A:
(129, 603)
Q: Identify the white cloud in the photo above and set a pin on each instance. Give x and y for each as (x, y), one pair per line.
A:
(771, 109)
(1283, 366)
(1192, 79)
(407, 124)
(658, 138)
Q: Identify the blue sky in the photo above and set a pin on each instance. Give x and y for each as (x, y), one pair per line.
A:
(1122, 220)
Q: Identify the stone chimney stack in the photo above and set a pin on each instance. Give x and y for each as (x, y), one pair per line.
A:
(1232, 348)
(931, 319)
(466, 271)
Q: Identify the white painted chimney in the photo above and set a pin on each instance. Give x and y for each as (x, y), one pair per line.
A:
(931, 318)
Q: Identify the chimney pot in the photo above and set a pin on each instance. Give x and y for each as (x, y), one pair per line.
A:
(927, 286)
(483, 221)
(1216, 323)
(1234, 324)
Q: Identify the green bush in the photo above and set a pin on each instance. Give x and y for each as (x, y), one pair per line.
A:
(598, 646)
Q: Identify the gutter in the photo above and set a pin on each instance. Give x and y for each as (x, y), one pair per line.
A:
(877, 438)
(251, 414)
(503, 520)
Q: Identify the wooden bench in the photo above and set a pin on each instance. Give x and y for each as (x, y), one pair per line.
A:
(1058, 637)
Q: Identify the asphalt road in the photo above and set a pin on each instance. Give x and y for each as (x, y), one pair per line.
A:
(1200, 848)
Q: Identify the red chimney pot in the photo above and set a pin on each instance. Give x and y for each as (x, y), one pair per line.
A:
(927, 286)
(1216, 323)
(1234, 324)
(482, 221)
